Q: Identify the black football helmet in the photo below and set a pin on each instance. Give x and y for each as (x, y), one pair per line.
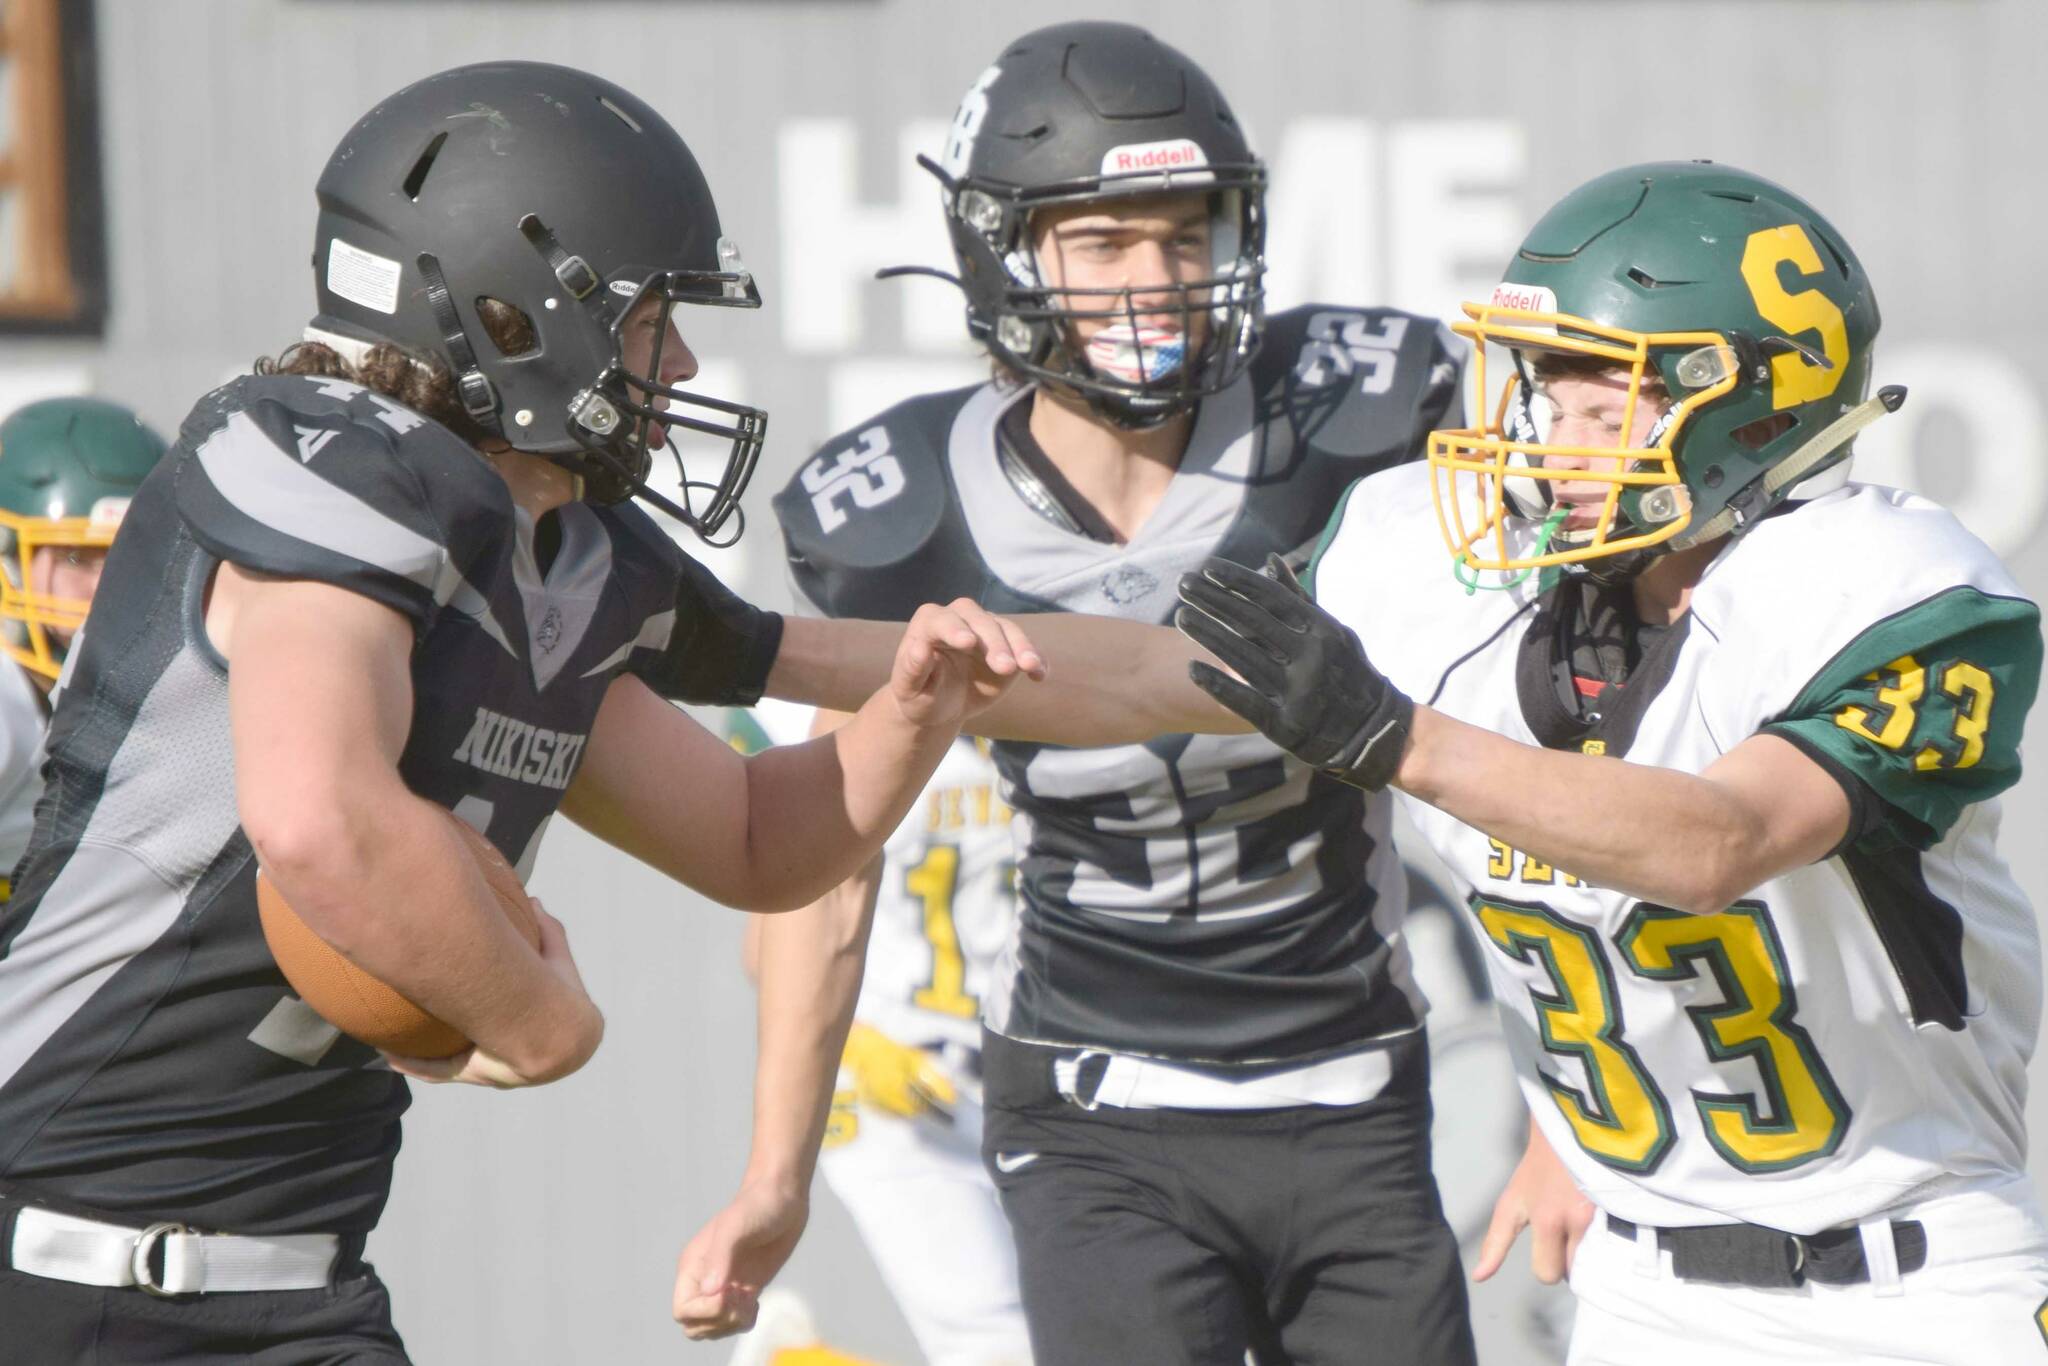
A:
(567, 198)
(1093, 111)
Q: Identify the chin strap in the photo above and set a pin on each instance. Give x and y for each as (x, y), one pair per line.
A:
(1751, 503)
(479, 399)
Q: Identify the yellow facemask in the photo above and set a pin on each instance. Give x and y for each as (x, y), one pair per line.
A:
(34, 616)
(1490, 523)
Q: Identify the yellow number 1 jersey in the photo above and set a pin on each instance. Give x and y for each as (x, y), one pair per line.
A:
(1844, 1037)
(946, 905)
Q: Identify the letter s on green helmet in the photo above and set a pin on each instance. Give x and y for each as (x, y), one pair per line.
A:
(68, 467)
(1710, 289)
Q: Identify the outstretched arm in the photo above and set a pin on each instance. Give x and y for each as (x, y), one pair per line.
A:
(780, 829)
(1106, 681)
(1761, 810)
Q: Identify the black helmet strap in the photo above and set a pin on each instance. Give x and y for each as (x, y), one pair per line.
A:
(572, 272)
(479, 398)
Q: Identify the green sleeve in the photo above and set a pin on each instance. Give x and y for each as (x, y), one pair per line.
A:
(1925, 709)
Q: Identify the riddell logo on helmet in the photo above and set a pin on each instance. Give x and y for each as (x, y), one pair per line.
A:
(1172, 155)
(1524, 298)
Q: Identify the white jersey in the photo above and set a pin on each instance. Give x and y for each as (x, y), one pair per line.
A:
(23, 721)
(1847, 1036)
(947, 904)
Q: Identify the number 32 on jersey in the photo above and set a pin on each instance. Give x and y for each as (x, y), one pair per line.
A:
(1621, 1118)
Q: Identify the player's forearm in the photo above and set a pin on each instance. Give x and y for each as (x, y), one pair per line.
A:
(810, 972)
(818, 812)
(1675, 839)
(382, 878)
(835, 664)
(1108, 681)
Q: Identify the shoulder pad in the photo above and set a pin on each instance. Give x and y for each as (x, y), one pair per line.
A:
(870, 522)
(1858, 555)
(319, 479)
(1358, 383)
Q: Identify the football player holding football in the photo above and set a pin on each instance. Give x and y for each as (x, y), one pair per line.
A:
(395, 571)
(1717, 767)
(1205, 1076)
(68, 468)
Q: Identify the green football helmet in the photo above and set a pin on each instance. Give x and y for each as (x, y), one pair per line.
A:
(1716, 293)
(68, 467)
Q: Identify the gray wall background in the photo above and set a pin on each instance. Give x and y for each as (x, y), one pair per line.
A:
(1411, 141)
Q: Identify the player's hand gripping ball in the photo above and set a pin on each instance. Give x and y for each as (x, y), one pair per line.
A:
(358, 1004)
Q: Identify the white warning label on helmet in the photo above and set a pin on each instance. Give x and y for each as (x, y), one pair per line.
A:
(1136, 158)
(362, 277)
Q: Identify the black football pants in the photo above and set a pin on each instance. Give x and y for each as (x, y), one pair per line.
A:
(46, 1322)
(1311, 1236)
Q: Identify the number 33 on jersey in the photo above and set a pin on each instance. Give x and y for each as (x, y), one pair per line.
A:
(1843, 1035)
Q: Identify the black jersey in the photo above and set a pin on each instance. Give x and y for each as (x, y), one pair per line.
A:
(1201, 897)
(153, 1062)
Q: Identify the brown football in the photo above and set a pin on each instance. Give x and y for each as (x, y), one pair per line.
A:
(358, 1004)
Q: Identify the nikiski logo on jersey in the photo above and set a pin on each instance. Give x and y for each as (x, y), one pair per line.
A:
(549, 634)
(506, 747)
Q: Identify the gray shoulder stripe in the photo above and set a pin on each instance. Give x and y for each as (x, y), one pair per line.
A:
(270, 485)
(453, 590)
(654, 634)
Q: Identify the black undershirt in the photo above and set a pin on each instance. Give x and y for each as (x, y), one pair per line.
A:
(1589, 668)
(1040, 483)
(1604, 641)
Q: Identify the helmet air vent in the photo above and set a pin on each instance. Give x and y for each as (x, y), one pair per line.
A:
(416, 178)
(1648, 281)
(1835, 254)
(623, 116)
(508, 327)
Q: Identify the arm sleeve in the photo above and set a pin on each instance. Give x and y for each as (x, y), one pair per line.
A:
(720, 649)
(1923, 712)
(317, 497)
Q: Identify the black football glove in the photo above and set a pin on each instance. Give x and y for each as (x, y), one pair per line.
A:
(722, 646)
(1307, 683)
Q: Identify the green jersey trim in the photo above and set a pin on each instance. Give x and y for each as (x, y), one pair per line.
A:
(1926, 707)
(1323, 542)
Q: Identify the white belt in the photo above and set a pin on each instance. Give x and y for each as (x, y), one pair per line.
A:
(87, 1252)
(1131, 1083)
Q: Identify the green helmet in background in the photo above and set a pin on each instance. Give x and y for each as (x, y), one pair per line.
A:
(1716, 292)
(68, 467)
